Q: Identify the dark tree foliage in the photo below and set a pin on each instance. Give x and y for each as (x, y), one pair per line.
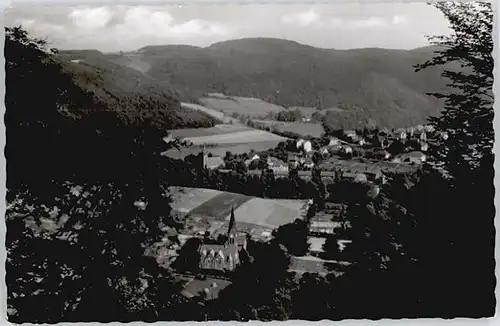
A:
(189, 257)
(289, 115)
(468, 113)
(86, 196)
(132, 95)
(293, 236)
(465, 159)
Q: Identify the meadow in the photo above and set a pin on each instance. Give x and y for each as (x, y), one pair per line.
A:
(212, 206)
(241, 105)
(214, 113)
(215, 130)
(236, 137)
(301, 128)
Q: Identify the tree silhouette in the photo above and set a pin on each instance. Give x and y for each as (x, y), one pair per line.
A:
(86, 194)
(443, 207)
(468, 112)
(293, 236)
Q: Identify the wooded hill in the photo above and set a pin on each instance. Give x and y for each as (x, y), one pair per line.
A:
(133, 95)
(367, 86)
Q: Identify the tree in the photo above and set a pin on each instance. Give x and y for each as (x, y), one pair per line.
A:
(189, 256)
(468, 112)
(293, 236)
(311, 300)
(78, 226)
(466, 161)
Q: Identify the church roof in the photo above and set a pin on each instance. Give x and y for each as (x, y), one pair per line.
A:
(215, 249)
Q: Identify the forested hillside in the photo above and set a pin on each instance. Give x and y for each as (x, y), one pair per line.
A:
(133, 95)
(380, 85)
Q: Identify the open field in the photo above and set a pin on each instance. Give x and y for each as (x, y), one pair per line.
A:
(257, 106)
(221, 138)
(214, 113)
(186, 199)
(219, 207)
(304, 129)
(214, 207)
(237, 137)
(270, 213)
(241, 105)
(215, 130)
(221, 150)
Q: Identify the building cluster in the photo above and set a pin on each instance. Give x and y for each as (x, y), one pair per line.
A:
(397, 148)
(325, 224)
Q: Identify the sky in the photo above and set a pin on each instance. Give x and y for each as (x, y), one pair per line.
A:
(126, 28)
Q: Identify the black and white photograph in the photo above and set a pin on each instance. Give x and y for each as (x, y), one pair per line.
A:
(249, 162)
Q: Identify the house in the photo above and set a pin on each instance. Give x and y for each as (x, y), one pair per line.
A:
(223, 257)
(420, 134)
(424, 147)
(400, 134)
(316, 245)
(278, 166)
(443, 135)
(322, 227)
(410, 131)
(307, 146)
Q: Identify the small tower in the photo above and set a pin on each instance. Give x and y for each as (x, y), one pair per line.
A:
(204, 158)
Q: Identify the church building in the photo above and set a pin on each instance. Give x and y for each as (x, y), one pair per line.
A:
(223, 257)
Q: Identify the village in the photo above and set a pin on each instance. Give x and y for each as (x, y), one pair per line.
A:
(361, 157)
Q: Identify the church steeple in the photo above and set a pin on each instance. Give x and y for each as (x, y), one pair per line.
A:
(231, 227)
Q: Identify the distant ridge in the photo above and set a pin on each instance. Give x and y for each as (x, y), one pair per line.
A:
(373, 85)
